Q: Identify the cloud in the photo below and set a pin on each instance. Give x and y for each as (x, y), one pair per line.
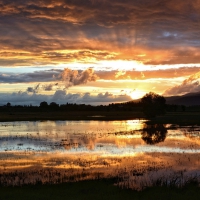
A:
(40, 87)
(33, 89)
(55, 75)
(70, 77)
(36, 76)
(119, 73)
(142, 75)
(61, 97)
(192, 84)
(67, 76)
(105, 13)
(52, 32)
(145, 75)
(49, 87)
(74, 77)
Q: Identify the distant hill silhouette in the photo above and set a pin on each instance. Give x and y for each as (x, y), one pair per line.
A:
(189, 99)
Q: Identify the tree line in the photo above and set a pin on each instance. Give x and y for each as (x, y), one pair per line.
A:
(151, 105)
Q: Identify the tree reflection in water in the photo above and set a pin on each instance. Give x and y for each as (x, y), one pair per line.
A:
(153, 134)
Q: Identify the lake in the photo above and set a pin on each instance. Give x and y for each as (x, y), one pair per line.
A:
(134, 153)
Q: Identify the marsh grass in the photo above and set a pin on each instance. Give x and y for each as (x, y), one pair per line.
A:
(161, 178)
(98, 190)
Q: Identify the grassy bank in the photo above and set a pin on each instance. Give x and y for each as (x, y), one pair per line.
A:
(98, 190)
(181, 118)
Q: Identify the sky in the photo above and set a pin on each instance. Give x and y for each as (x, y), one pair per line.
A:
(97, 51)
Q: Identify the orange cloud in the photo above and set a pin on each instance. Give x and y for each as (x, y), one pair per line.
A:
(99, 30)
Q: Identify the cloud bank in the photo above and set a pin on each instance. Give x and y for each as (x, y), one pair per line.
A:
(61, 97)
(69, 76)
(190, 85)
(72, 77)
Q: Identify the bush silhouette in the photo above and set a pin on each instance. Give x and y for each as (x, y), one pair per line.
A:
(153, 104)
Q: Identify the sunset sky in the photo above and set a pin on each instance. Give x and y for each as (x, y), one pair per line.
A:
(97, 51)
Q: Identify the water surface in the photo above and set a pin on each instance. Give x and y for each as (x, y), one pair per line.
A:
(77, 150)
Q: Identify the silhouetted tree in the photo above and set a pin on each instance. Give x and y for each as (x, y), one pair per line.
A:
(183, 108)
(44, 104)
(54, 105)
(8, 104)
(153, 104)
(153, 134)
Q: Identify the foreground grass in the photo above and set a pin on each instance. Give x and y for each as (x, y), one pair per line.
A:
(98, 190)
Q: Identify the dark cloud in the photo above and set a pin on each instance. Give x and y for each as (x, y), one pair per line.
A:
(104, 12)
(33, 89)
(49, 87)
(37, 76)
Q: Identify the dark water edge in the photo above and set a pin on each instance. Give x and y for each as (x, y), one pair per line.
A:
(98, 190)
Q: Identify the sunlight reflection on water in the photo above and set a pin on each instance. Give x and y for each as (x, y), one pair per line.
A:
(104, 147)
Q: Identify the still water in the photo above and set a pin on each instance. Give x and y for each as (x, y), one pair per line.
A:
(135, 153)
